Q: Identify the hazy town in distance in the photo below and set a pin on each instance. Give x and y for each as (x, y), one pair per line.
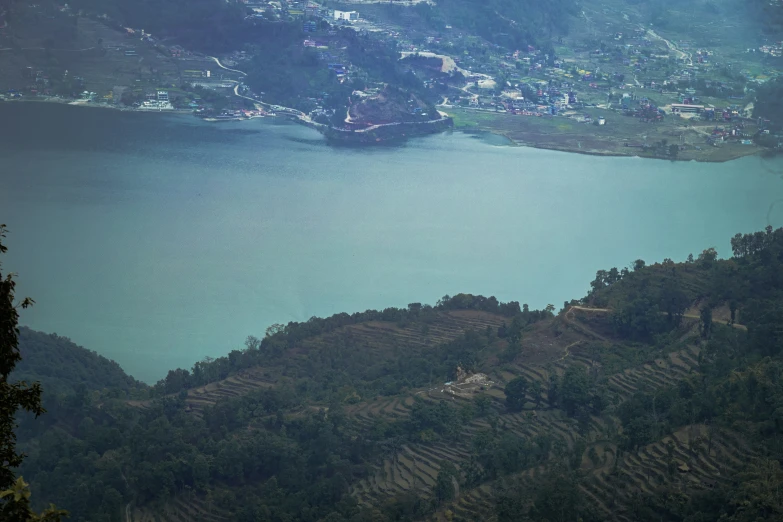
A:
(675, 80)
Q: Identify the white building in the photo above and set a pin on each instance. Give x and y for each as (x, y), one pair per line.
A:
(157, 101)
(350, 16)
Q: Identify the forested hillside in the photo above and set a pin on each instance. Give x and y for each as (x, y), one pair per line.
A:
(63, 367)
(511, 24)
(770, 14)
(657, 397)
(203, 24)
(769, 103)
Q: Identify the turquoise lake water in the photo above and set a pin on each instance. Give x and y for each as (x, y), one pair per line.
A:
(157, 240)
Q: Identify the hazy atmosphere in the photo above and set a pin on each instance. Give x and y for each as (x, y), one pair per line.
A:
(405, 261)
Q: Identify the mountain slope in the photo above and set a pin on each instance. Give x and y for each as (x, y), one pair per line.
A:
(62, 366)
(654, 398)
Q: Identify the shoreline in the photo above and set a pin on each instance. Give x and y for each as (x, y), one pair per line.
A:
(607, 154)
(297, 119)
(573, 142)
(76, 103)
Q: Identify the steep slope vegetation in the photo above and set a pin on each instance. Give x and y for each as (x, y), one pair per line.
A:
(656, 397)
(62, 366)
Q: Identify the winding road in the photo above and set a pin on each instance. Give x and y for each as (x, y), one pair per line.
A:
(226, 68)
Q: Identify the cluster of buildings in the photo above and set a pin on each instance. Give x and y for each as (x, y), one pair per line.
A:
(40, 83)
(645, 110)
(157, 101)
(285, 9)
(775, 50)
(736, 132)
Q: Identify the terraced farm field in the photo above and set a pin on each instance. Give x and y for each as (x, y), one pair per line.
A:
(413, 467)
(368, 340)
(548, 349)
(378, 338)
(234, 386)
(692, 458)
(689, 446)
(180, 509)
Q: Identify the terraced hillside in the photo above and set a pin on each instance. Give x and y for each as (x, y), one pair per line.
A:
(413, 467)
(695, 457)
(234, 386)
(372, 340)
(550, 349)
(180, 509)
(378, 339)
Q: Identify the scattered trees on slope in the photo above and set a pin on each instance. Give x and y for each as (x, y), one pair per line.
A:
(15, 396)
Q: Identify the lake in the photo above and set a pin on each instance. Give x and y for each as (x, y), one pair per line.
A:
(157, 240)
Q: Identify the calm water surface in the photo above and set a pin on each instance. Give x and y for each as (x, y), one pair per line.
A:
(157, 240)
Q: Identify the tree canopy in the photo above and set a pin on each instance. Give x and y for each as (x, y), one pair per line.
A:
(14, 396)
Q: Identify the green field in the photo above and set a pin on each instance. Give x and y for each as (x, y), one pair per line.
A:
(561, 133)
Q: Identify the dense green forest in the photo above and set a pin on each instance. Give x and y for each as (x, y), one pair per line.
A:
(214, 25)
(769, 102)
(289, 73)
(510, 24)
(770, 14)
(656, 397)
(63, 367)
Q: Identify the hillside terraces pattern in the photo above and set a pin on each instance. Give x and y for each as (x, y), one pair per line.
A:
(642, 471)
(725, 457)
(234, 386)
(180, 509)
(655, 374)
(415, 466)
(372, 337)
(365, 413)
(708, 463)
(377, 337)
